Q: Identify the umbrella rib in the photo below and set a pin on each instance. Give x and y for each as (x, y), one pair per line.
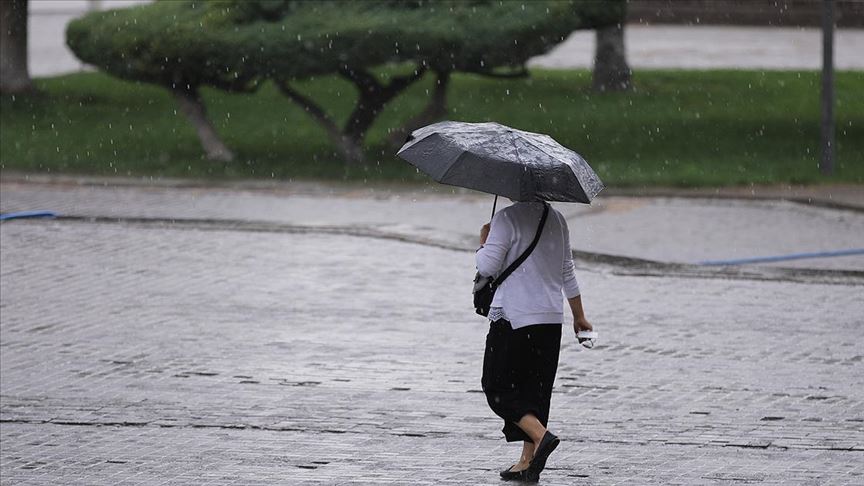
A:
(447, 135)
(528, 141)
(515, 147)
(553, 157)
(456, 161)
(450, 167)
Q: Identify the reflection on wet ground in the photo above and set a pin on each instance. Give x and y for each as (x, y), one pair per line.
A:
(661, 229)
(176, 352)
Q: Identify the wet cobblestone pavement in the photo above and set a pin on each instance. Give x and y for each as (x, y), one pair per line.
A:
(175, 354)
(664, 229)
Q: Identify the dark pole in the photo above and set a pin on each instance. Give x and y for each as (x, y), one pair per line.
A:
(493, 208)
(826, 164)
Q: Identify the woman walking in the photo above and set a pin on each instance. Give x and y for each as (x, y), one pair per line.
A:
(526, 315)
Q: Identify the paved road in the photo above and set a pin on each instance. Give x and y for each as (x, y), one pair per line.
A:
(714, 47)
(48, 54)
(679, 230)
(156, 353)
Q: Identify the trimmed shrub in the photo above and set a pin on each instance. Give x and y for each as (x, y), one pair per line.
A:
(235, 45)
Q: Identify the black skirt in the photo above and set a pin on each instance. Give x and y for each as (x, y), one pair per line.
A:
(519, 369)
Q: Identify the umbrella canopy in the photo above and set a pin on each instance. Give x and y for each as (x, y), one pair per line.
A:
(500, 160)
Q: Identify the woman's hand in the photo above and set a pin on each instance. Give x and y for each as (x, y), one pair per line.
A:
(582, 324)
(579, 321)
(484, 233)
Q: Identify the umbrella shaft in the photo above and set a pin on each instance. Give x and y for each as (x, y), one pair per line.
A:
(493, 208)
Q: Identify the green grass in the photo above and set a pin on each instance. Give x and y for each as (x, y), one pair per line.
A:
(676, 128)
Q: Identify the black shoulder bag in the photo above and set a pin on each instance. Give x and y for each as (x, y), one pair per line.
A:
(485, 287)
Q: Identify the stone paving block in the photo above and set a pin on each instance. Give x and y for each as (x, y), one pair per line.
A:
(170, 355)
(660, 228)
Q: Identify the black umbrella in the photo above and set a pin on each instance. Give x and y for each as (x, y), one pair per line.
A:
(500, 160)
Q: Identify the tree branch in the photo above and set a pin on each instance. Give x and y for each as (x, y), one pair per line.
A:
(365, 81)
(368, 84)
(351, 150)
(192, 106)
(372, 97)
(243, 85)
(371, 101)
(435, 110)
(309, 106)
(398, 83)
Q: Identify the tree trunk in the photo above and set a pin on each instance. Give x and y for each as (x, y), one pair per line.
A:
(369, 105)
(434, 111)
(349, 149)
(193, 107)
(372, 97)
(14, 74)
(611, 72)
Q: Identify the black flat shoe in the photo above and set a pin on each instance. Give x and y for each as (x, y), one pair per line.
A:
(547, 446)
(508, 475)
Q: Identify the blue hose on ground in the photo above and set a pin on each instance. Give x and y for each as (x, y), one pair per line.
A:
(27, 214)
(783, 258)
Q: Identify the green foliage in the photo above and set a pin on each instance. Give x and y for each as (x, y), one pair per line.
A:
(166, 43)
(235, 44)
(675, 128)
(245, 11)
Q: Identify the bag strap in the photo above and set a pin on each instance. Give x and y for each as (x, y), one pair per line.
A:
(524, 256)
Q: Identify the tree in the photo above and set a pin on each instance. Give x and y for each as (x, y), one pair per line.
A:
(611, 72)
(236, 45)
(170, 44)
(14, 74)
(485, 37)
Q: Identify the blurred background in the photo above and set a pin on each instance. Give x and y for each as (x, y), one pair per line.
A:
(651, 92)
(656, 30)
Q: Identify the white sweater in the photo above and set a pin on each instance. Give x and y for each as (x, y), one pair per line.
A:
(532, 293)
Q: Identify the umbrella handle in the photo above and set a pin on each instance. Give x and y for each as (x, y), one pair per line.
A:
(493, 208)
